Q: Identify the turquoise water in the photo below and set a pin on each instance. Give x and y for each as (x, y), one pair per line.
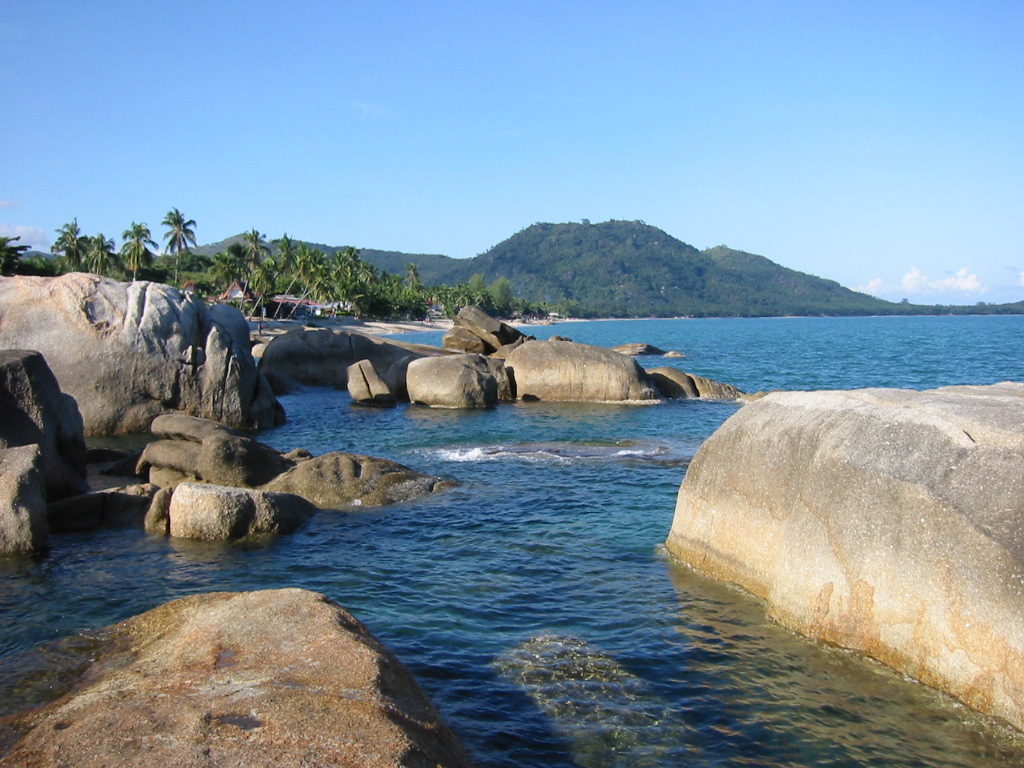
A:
(534, 603)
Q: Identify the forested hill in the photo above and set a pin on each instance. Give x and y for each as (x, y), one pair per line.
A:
(628, 268)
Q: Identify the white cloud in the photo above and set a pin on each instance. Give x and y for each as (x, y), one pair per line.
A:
(1022, 277)
(965, 281)
(12, 202)
(874, 287)
(32, 236)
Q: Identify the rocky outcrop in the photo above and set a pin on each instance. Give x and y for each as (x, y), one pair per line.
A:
(23, 526)
(280, 677)
(198, 450)
(458, 381)
(674, 383)
(217, 512)
(637, 348)
(322, 357)
(121, 507)
(567, 371)
(34, 411)
(477, 332)
(129, 351)
(366, 387)
(887, 521)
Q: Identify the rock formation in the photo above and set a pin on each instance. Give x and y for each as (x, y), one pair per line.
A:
(477, 332)
(130, 351)
(321, 357)
(280, 677)
(637, 348)
(198, 450)
(674, 383)
(887, 521)
(458, 381)
(217, 512)
(367, 387)
(567, 371)
(23, 524)
(34, 411)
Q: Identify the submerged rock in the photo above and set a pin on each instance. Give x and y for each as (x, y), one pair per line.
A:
(887, 521)
(567, 371)
(129, 351)
(279, 677)
(637, 348)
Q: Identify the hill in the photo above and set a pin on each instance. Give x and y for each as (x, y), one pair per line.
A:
(631, 269)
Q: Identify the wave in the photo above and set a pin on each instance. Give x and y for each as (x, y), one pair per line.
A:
(568, 451)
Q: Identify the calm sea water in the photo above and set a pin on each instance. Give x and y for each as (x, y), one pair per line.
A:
(534, 602)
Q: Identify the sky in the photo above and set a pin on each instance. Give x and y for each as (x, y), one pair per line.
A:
(878, 144)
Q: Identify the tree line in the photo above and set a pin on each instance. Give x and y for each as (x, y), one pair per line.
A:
(338, 282)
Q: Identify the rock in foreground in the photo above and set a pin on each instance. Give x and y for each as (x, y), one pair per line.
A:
(887, 521)
(234, 680)
(130, 351)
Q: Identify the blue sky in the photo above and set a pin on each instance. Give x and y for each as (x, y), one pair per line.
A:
(880, 144)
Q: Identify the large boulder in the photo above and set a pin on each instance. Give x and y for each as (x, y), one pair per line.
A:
(130, 351)
(280, 677)
(198, 450)
(366, 387)
(568, 371)
(674, 383)
(33, 411)
(635, 348)
(458, 381)
(887, 521)
(23, 525)
(321, 357)
(217, 512)
(474, 331)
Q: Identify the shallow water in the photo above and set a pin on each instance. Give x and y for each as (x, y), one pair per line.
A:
(534, 602)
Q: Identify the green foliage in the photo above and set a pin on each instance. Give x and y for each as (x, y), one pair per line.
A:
(10, 254)
(135, 251)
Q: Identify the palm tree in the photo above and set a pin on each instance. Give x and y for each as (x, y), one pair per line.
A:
(9, 254)
(180, 233)
(135, 249)
(101, 256)
(287, 254)
(228, 265)
(71, 244)
(262, 281)
(412, 274)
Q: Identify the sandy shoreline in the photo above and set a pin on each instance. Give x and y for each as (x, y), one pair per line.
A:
(270, 327)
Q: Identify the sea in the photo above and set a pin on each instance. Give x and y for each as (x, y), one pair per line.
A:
(535, 602)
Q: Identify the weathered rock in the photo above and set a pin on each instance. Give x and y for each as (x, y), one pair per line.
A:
(506, 349)
(674, 353)
(888, 521)
(218, 512)
(674, 383)
(33, 411)
(565, 370)
(23, 526)
(342, 480)
(123, 507)
(231, 680)
(458, 381)
(158, 517)
(321, 357)
(130, 351)
(201, 451)
(366, 387)
(477, 332)
(637, 348)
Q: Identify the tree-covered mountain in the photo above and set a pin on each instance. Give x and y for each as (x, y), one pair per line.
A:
(631, 269)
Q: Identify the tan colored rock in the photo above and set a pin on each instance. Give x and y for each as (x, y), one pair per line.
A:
(321, 357)
(23, 525)
(280, 678)
(674, 383)
(475, 331)
(129, 351)
(567, 371)
(366, 387)
(458, 381)
(218, 512)
(637, 348)
(887, 521)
